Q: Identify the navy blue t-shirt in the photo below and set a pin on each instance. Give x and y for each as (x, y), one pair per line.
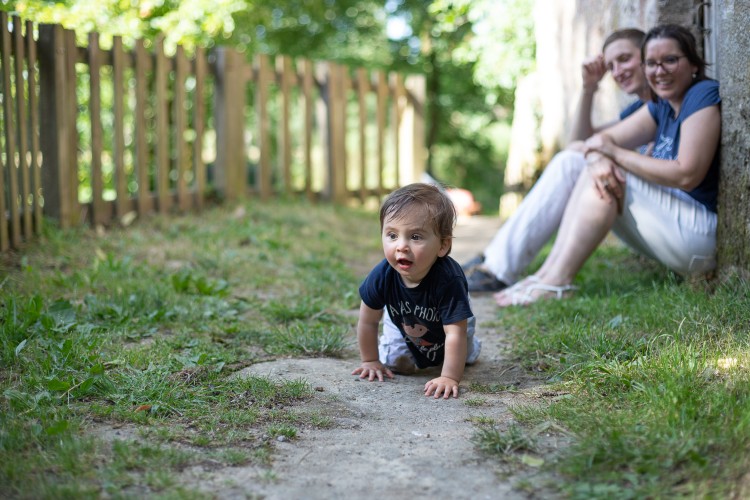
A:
(631, 108)
(442, 298)
(701, 95)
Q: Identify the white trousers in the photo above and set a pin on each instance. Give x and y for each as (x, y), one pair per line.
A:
(393, 345)
(664, 224)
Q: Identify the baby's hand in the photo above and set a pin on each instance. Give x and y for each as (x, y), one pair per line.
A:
(441, 385)
(372, 369)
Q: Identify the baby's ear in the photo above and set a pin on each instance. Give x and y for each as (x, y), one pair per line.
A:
(445, 247)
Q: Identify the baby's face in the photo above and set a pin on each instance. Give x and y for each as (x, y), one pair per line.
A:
(411, 245)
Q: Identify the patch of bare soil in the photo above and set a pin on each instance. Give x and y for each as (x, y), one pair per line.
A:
(387, 440)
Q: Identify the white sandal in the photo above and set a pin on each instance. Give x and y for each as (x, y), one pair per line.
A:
(516, 287)
(523, 292)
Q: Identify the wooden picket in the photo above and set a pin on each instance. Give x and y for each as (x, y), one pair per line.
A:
(164, 132)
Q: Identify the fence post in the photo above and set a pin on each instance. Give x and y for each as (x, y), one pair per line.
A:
(180, 124)
(396, 127)
(412, 126)
(34, 122)
(229, 106)
(264, 175)
(122, 205)
(142, 59)
(54, 124)
(337, 131)
(285, 136)
(363, 88)
(99, 208)
(9, 144)
(199, 117)
(161, 106)
(308, 105)
(22, 117)
(381, 92)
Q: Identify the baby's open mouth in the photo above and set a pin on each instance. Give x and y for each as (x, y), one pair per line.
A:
(404, 262)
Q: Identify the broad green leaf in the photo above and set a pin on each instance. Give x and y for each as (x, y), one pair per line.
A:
(58, 385)
(57, 427)
(86, 385)
(97, 369)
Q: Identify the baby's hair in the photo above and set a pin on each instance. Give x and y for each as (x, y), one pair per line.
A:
(439, 207)
(635, 35)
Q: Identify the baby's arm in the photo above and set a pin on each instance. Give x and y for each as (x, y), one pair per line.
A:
(453, 364)
(367, 338)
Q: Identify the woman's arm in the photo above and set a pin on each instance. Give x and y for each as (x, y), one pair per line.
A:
(631, 133)
(592, 71)
(699, 138)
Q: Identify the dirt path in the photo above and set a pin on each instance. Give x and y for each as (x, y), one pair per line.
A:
(387, 439)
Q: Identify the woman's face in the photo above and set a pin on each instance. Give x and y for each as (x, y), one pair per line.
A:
(623, 60)
(667, 69)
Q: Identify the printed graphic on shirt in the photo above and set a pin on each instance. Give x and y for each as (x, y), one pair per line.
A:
(415, 334)
(403, 308)
(422, 330)
(664, 148)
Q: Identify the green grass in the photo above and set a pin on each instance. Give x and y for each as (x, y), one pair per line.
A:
(658, 372)
(142, 330)
(117, 357)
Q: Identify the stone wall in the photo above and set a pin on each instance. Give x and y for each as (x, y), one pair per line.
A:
(733, 49)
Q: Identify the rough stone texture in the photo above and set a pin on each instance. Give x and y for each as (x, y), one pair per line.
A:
(733, 49)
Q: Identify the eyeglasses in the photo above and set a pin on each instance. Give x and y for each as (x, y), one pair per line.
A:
(668, 64)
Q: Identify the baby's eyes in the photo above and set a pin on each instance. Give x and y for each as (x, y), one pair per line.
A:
(413, 237)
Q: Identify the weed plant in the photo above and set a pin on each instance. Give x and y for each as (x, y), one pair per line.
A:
(118, 348)
(658, 371)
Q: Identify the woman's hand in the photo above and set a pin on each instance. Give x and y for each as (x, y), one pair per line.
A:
(599, 143)
(592, 71)
(608, 178)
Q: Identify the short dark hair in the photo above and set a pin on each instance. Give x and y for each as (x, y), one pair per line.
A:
(685, 39)
(440, 209)
(633, 34)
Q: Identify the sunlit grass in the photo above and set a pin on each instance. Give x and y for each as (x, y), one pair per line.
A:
(658, 371)
(144, 328)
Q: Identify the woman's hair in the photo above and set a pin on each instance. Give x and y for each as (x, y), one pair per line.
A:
(686, 42)
(438, 206)
(634, 35)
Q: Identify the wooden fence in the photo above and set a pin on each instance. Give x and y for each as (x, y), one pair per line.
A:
(103, 136)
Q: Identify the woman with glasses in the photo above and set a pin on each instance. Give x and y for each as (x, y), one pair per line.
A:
(663, 204)
(536, 220)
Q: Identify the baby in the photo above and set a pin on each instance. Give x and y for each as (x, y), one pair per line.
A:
(428, 320)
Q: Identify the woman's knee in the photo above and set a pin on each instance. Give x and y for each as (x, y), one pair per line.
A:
(568, 163)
